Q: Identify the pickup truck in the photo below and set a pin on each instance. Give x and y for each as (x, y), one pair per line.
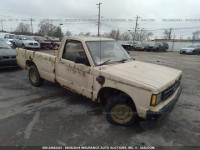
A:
(101, 70)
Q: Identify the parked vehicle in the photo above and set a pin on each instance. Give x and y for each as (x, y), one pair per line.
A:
(44, 43)
(101, 70)
(156, 47)
(166, 45)
(141, 47)
(129, 45)
(25, 42)
(2, 34)
(9, 37)
(7, 41)
(191, 49)
(7, 55)
(55, 42)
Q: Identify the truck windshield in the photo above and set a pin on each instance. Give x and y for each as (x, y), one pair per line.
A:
(105, 52)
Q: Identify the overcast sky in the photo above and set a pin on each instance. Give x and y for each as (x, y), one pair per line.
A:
(80, 15)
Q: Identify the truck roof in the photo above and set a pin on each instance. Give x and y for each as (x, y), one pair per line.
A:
(81, 38)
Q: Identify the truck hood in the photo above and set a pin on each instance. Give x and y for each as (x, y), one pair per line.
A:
(7, 52)
(156, 76)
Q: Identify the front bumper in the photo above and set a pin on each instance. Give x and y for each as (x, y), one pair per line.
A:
(155, 115)
(8, 63)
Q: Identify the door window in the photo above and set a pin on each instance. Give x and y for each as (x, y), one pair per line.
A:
(75, 52)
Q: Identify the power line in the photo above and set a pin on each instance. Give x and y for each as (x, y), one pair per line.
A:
(99, 6)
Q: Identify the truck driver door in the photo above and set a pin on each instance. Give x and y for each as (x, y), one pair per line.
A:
(73, 69)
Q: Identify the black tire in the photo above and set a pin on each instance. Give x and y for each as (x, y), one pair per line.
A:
(23, 46)
(14, 46)
(194, 52)
(34, 76)
(124, 108)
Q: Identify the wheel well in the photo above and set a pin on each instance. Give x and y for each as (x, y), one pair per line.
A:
(30, 63)
(107, 92)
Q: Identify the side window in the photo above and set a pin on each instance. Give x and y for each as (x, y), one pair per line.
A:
(75, 52)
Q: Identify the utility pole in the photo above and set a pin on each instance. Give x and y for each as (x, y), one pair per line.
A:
(99, 6)
(136, 25)
(173, 43)
(1, 25)
(32, 25)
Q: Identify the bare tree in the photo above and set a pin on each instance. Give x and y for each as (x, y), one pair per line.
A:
(168, 33)
(114, 34)
(57, 32)
(87, 34)
(46, 28)
(68, 33)
(23, 28)
(125, 36)
(196, 34)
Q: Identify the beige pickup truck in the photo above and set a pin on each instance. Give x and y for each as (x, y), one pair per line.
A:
(101, 70)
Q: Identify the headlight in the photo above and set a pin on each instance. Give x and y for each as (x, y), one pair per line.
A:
(156, 99)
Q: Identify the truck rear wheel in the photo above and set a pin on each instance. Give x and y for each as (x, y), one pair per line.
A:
(34, 77)
(120, 111)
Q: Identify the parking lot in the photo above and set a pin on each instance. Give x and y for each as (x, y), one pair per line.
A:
(51, 115)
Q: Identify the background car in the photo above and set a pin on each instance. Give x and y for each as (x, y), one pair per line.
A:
(166, 45)
(7, 55)
(55, 42)
(156, 47)
(7, 41)
(44, 43)
(9, 37)
(191, 49)
(142, 46)
(129, 45)
(24, 41)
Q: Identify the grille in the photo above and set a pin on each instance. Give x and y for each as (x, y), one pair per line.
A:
(169, 91)
(30, 43)
(5, 57)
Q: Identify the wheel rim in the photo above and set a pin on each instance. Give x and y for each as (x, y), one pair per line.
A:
(121, 113)
(33, 76)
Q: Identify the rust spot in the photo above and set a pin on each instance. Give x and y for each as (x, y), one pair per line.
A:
(55, 81)
(30, 58)
(101, 80)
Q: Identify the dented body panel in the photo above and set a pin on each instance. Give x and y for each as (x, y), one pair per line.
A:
(139, 80)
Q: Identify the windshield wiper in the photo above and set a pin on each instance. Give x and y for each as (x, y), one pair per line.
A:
(105, 62)
(123, 60)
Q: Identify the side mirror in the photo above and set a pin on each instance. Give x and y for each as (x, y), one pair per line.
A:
(82, 60)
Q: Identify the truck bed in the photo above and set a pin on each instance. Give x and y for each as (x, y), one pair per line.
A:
(43, 59)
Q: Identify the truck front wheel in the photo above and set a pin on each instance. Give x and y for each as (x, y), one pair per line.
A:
(120, 111)
(34, 77)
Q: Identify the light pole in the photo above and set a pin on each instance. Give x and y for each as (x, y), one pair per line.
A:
(60, 30)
